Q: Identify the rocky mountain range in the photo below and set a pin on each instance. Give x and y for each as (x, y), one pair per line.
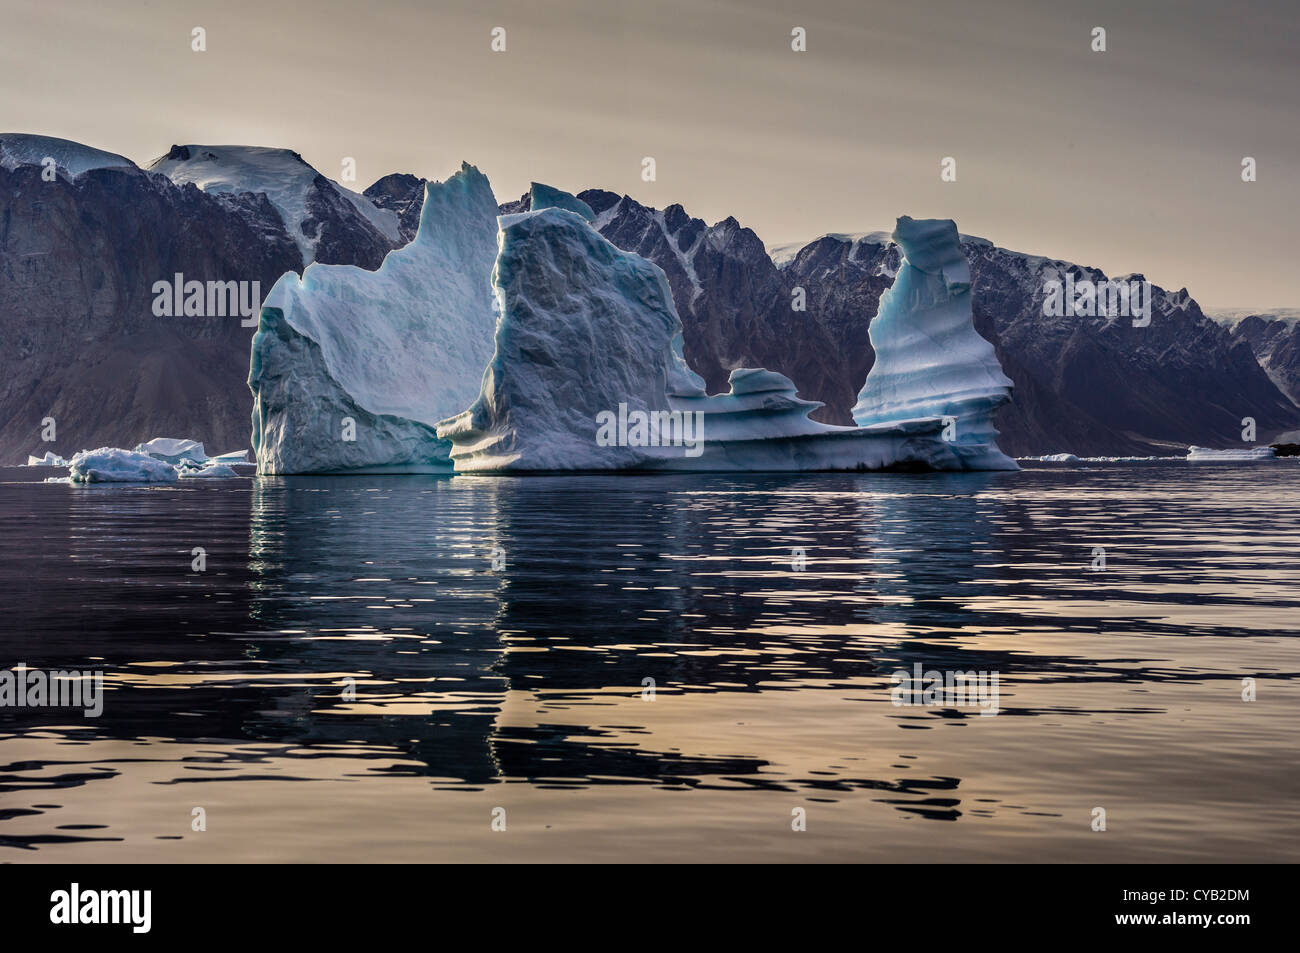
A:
(84, 239)
(1274, 338)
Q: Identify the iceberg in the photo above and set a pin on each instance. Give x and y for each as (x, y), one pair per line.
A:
(930, 360)
(113, 465)
(235, 456)
(173, 449)
(351, 370)
(588, 374)
(542, 196)
(1054, 458)
(50, 459)
(1071, 458)
(209, 472)
(1206, 455)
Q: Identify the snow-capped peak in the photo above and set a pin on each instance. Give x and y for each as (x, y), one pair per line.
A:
(20, 148)
(281, 174)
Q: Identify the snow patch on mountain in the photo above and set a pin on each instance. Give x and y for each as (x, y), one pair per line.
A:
(280, 174)
(784, 253)
(1231, 317)
(18, 148)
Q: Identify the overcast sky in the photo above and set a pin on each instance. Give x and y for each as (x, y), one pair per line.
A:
(1128, 160)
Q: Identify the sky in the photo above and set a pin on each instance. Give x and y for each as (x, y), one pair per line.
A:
(1129, 160)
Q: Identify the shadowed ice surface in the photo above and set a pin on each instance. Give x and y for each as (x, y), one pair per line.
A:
(369, 666)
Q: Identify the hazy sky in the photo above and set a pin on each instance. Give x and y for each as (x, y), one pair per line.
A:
(1128, 160)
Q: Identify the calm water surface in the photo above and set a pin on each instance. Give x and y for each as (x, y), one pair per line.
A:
(369, 667)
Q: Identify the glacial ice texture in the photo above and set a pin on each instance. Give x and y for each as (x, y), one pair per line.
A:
(588, 347)
(173, 449)
(930, 360)
(352, 369)
(114, 465)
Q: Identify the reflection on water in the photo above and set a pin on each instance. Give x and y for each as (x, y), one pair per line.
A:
(638, 668)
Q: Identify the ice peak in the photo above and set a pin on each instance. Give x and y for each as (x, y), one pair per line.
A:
(930, 360)
(933, 246)
(545, 196)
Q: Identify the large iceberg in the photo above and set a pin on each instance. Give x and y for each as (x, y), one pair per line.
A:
(351, 369)
(930, 360)
(114, 465)
(588, 374)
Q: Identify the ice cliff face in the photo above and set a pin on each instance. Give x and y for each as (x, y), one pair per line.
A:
(351, 369)
(584, 328)
(588, 374)
(930, 360)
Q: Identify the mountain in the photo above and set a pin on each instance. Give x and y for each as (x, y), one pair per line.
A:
(1274, 338)
(81, 249)
(403, 195)
(1088, 385)
(329, 223)
(79, 255)
(1100, 385)
(67, 158)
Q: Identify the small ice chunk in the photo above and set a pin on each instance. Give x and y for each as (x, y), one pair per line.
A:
(51, 459)
(173, 449)
(1205, 454)
(210, 472)
(235, 456)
